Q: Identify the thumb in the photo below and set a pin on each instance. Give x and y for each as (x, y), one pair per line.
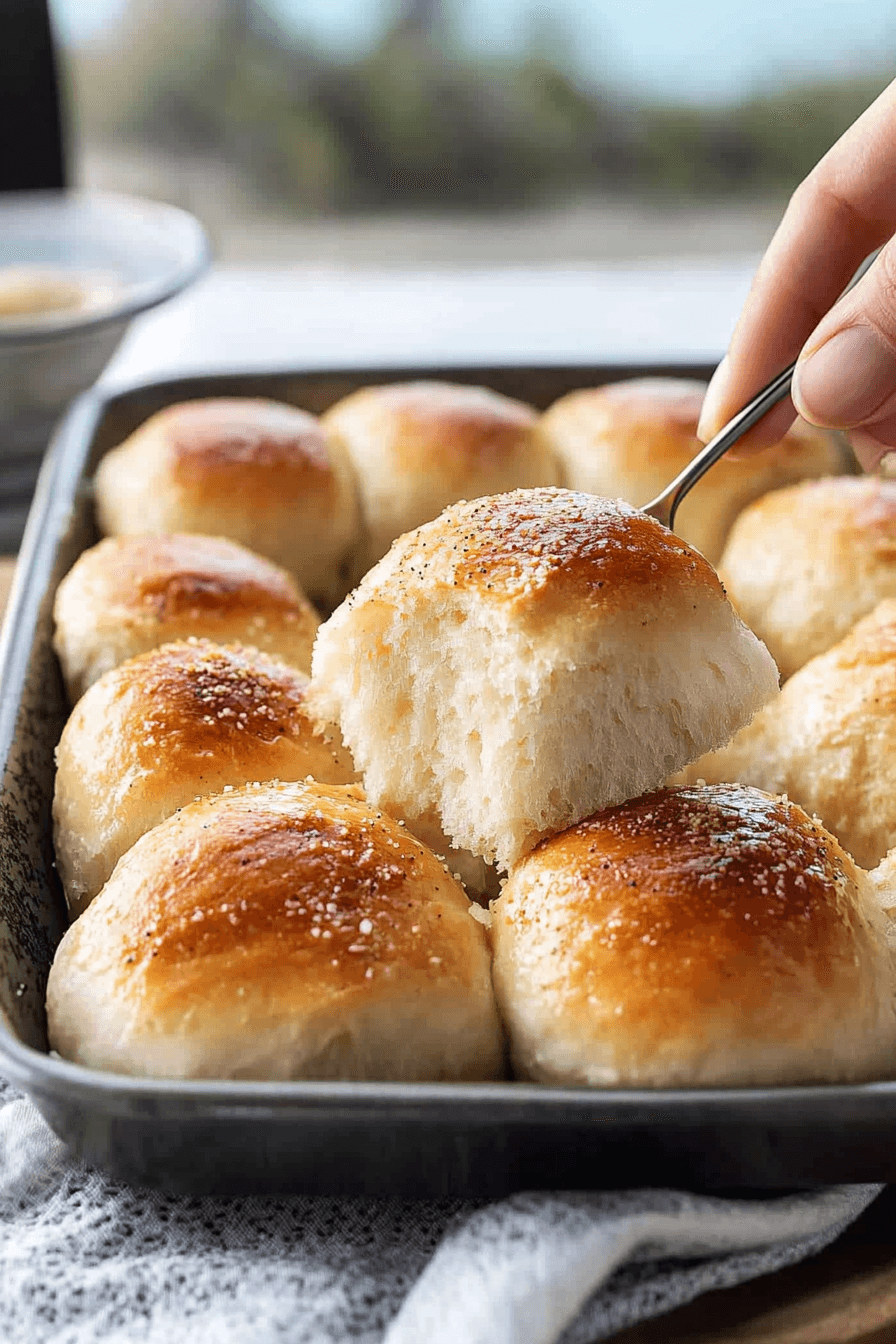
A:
(845, 377)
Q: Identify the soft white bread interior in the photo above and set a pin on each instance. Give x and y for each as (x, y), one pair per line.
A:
(711, 937)
(264, 474)
(177, 723)
(130, 594)
(481, 880)
(281, 931)
(802, 565)
(417, 447)
(628, 440)
(828, 740)
(529, 657)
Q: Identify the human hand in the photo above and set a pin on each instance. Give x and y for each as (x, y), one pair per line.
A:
(846, 373)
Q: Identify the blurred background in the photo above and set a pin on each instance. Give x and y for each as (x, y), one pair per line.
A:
(467, 132)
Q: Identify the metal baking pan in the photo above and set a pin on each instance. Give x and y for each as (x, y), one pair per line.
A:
(470, 1140)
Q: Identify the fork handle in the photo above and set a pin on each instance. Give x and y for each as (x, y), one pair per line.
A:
(665, 506)
(745, 419)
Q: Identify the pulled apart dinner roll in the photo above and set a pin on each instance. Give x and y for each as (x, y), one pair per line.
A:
(529, 657)
(278, 932)
(630, 439)
(178, 723)
(262, 473)
(829, 740)
(711, 937)
(802, 565)
(130, 594)
(418, 447)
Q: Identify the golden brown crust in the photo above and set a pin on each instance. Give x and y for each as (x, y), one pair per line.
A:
(284, 931)
(262, 447)
(182, 721)
(300, 891)
(127, 595)
(545, 545)
(184, 576)
(635, 409)
(828, 740)
(803, 564)
(200, 699)
(695, 935)
(453, 427)
(630, 439)
(681, 871)
(418, 447)
(263, 473)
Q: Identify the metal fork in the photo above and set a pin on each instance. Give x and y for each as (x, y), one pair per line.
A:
(665, 506)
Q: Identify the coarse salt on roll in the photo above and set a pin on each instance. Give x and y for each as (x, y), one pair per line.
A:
(177, 723)
(700, 937)
(128, 595)
(282, 931)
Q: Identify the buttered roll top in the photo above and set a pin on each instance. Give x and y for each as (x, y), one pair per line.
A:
(419, 446)
(127, 595)
(280, 931)
(180, 722)
(802, 565)
(696, 936)
(260, 472)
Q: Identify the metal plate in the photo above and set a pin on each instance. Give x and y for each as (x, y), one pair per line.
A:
(412, 1140)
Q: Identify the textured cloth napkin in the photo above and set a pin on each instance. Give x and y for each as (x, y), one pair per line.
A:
(84, 1259)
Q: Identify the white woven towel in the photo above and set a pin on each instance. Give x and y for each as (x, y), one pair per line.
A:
(83, 1259)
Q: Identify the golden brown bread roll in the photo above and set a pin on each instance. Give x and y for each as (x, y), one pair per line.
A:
(130, 594)
(828, 740)
(709, 937)
(280, 931)
(417, 447)
(528, 657)
(630, 439)
(177, 723)
(260, 472)
(802, 565)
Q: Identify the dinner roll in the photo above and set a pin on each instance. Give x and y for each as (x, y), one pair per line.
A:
(711, 937)
(417, 447)
(829, 740)
(176, 723)
(802, 565)
(529, 657)
(261, 473)
(281, 931)
(130, 594)
(630, 439)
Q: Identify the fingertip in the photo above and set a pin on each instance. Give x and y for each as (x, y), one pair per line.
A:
(712, 412)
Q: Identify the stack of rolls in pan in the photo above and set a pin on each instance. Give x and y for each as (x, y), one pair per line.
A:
(453, 850)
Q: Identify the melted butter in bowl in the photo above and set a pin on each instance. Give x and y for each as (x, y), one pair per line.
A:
(31, 294)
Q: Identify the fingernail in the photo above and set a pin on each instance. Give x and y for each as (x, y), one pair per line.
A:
(846, 380)
(710, 421)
